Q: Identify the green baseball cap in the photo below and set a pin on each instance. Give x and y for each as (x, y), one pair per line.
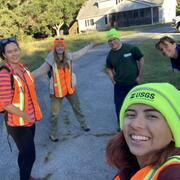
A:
(164, 97)
(112, 33)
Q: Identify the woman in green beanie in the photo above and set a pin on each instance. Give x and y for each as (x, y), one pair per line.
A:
(148, 148)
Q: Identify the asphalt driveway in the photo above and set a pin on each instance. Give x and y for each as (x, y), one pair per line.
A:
(78, 155)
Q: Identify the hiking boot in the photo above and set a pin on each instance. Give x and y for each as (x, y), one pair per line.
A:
(33, 178)
(53, 138)
(85, 128)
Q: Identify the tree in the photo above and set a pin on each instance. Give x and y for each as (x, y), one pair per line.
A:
(11, 22)
(28, 17)
(59, 13)
(52, 17)
(178, 8)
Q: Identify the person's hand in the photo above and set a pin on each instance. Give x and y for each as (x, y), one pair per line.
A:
(26, 116)
(138, 79)
(113, 81)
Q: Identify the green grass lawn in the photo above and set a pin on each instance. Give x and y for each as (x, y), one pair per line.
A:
(35, 51)
(157, 68)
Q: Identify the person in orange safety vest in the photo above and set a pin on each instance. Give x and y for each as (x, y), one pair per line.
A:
(19, 104)
(148, 148)
(58, 64)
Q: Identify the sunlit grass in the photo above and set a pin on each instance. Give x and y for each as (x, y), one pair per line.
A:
(157, 67)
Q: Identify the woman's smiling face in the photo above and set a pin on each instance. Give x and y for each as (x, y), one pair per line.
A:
(145, 130)
(12, 53)
(60, 49)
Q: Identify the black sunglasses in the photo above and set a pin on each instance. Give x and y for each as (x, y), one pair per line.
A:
(7, 40)
(59, 39)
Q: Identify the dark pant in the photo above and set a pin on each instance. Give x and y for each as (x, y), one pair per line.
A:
(24, 139)
(120, 92)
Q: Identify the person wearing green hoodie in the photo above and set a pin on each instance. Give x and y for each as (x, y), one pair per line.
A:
(124, 66)
(149, 145)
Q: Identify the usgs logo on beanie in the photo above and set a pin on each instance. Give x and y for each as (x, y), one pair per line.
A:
(144, 95)
(163, 97)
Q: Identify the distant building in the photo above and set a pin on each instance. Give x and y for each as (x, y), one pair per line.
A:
(102, 14)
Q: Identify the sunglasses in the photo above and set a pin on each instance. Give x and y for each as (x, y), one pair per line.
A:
(109, 41)
(59, 39)
(7, 40)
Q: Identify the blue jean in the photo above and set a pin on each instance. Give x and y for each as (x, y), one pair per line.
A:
(120, 92)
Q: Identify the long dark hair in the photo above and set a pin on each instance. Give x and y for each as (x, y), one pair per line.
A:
(118, 154)
(64, 62)
(3, 46)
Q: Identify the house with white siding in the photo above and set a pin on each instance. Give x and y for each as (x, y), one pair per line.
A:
(103, 14)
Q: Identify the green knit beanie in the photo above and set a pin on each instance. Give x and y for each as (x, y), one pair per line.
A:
(164, 97)
(112, 33)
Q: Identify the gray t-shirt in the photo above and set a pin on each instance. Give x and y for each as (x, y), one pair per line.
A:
(50, 61)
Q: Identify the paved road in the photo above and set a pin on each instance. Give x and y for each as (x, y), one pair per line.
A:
(78, 155)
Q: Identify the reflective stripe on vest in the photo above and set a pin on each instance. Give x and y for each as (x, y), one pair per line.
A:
(62, 81)
(20, 99)
(116, 177)
(172, 160)
(20, 105)
(152, 173)
(58, 83)
(29, 74)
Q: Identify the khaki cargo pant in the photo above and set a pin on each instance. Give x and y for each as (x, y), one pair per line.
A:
(56, 107)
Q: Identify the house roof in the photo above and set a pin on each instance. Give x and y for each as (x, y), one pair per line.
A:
(90, 8)
(130, 5)
(158, 2)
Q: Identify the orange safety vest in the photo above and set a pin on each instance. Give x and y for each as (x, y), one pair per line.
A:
(152, 173)
(20, 98)
(62, 81)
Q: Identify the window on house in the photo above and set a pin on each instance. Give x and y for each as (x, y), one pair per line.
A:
(118, 1)
(135, 14)
(141, 13)
(106, 20)
(113, 17)
(89, 22)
